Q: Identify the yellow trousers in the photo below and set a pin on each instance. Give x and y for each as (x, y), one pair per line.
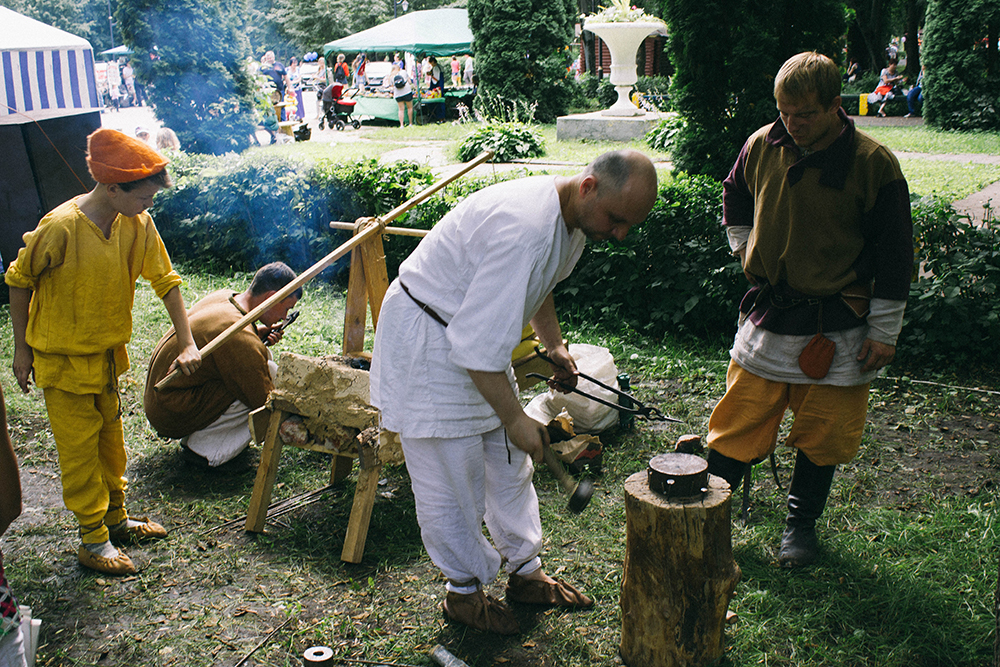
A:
(829, 420)
(91, 445)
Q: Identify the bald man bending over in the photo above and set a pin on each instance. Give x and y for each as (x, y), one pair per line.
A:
(441, 371)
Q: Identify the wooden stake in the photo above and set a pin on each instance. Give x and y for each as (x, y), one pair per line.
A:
(372, 227)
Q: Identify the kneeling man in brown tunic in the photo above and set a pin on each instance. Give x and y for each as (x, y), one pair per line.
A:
(209, 409)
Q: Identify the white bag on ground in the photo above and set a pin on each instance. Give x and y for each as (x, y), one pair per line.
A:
(588, 416)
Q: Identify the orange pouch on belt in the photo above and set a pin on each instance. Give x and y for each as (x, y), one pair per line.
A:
(817, 356)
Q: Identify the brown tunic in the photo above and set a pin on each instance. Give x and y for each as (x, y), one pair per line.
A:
(236, 370)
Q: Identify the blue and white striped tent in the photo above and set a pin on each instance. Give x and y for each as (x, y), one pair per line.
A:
(47, 72)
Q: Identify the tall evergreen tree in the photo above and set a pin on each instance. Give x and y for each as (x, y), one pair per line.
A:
(192, 59)
(521, 51)
(962, 85)
(726, 54)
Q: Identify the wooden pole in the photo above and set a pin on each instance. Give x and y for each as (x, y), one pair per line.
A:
(401, 231)
(374, 226)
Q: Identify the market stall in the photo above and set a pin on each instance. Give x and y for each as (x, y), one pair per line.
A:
(49, 103)
(433, 32)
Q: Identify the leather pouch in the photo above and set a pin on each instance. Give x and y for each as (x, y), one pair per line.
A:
(817, 356)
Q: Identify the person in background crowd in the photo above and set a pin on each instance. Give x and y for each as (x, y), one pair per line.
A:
(276, 71)
(468, 70)
(360, 80)
(456, 72)
(341, 72)
(399, 84)
(142, 134)
(166, 140)
(295, 84)
(435, 79)
(915, 96)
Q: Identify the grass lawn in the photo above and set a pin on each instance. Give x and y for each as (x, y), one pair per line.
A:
(906, 575)
(910, 540)
(951, 180)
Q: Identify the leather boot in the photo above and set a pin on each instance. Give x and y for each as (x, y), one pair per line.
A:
(807, 495)
(728, 469)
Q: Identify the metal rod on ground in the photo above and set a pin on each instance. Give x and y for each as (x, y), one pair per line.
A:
(443, 657)
(262, 642)
(315, 269)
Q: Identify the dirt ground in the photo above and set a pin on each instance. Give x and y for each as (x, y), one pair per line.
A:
(213, 590)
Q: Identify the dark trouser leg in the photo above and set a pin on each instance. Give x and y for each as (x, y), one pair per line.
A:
(728, 469)
(806, 499)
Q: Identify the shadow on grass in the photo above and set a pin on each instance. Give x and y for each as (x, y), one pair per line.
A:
(848, 604)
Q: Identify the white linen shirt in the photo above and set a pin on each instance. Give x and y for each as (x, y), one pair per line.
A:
(486, 269)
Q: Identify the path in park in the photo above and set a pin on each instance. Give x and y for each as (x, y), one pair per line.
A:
(435, 153)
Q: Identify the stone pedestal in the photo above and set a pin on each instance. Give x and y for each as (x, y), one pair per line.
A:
(596, 126)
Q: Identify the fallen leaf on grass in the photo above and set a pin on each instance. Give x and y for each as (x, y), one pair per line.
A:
(528, 644)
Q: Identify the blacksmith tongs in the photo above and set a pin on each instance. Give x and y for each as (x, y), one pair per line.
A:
(635, 407)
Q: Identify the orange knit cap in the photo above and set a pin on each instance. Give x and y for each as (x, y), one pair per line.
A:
(115, 157)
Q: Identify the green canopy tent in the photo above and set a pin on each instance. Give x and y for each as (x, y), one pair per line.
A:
(436, 32)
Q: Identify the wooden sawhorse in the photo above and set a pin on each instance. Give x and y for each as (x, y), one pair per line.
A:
(267, 420)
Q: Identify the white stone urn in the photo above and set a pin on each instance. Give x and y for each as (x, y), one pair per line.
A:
(623, 40)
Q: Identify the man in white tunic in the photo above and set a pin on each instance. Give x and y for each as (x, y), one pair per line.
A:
(441, 371)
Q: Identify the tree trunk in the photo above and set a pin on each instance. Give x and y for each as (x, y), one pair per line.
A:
(679, 576)
(914, 17)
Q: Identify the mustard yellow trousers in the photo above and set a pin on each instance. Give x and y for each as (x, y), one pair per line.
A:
(91, 445)
(829, 420)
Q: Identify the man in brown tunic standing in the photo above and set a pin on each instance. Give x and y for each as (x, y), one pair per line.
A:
(208, 409)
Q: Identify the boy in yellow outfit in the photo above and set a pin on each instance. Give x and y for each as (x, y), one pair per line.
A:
(71, 293)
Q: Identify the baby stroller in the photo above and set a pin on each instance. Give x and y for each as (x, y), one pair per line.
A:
(337, 109)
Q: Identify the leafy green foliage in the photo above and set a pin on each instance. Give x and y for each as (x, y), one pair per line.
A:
(962, 85)
(239, 212)
(953, 314)
(672, 274)
(726, 55)
(520, 51)
(662, 136)
(194, 55)
(508, 141)
(83, 18)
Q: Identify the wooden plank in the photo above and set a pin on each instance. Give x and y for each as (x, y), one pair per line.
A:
(340, 468)
(259, 420)
(356, 306)
(361, 514)
(376, 276)
(267, 470)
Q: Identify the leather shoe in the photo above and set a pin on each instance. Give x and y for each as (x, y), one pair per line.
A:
(799, 546)
(119, 565)
(482, 612)
(534, 591)
(143, 530)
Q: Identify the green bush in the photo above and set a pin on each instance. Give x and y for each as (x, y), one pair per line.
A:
(672, 274)
(237, 212)
(662, 136)
(508, 141)
(953, 314)
(520, 51)
(192, 58)
(962, 85)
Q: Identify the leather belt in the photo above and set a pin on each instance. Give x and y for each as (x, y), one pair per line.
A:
(424, 307)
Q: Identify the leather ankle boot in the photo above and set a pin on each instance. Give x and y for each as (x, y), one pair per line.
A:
(728, 469)
(807, 496)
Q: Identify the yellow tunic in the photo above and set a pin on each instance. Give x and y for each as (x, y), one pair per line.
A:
(83, 290)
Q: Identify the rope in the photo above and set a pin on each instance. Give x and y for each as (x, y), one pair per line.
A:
(51, 143)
